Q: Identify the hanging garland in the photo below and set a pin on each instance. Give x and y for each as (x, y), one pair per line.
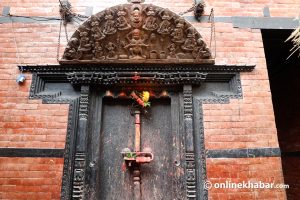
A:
(141, 98)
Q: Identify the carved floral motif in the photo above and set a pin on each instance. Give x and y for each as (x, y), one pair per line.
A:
(136, 32)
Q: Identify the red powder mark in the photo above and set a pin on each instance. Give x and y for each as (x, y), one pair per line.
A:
(136, 77)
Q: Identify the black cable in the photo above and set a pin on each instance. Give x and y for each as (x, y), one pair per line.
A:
(33, 18)
(79, 17)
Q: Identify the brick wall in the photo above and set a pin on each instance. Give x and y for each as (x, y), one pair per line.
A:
(30, 178)
(266, 170)
(246, 123)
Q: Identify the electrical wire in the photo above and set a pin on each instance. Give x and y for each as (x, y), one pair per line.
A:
(58, 42)
(37, 18)
(15, 41)
(211, 19)
(33, 18)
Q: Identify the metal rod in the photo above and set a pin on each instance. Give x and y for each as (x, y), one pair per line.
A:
(137, 171)
(137, 183)
(137, 115)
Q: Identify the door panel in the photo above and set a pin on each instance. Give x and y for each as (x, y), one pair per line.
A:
(118, 132)
(156, 133)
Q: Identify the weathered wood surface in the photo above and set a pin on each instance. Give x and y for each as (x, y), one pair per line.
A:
(117, 132)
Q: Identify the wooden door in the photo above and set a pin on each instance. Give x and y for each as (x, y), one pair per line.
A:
(160, 179)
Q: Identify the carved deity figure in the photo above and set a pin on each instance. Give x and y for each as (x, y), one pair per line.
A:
(165, 26)
(172, 51)
(96, 31)
(84, 44)
(71, 49)
(178, 33)
(109, 26)
(201, 51)
(111, 48)
(150, 22)
(152, 38)
(136, 17)
(136, 44)
(122, 22)
(190, 41)
(98, 51)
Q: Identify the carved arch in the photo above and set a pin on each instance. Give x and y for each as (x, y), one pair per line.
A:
(136, 33)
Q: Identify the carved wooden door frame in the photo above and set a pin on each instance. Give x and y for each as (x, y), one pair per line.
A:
(73, 84)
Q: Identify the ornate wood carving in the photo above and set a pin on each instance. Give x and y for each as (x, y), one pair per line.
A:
(127, 66)
(136, 32)
(69, 150)
(81, 145)
(84, 102)
(115, 78)
(79, 176)
(191, 183)
(43, 87)
(76, 156)
(200, 156)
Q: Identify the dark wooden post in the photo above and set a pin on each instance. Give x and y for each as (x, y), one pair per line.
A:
(191, 187)
(81, 144)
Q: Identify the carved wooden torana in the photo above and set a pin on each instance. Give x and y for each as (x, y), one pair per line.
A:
(136, 33)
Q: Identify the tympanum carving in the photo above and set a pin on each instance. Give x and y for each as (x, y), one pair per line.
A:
(136, 33)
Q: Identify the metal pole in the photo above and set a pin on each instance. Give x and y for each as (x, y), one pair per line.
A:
(137, 115)
(137, 171)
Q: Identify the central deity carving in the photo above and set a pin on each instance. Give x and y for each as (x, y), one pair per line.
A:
(136, 44)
